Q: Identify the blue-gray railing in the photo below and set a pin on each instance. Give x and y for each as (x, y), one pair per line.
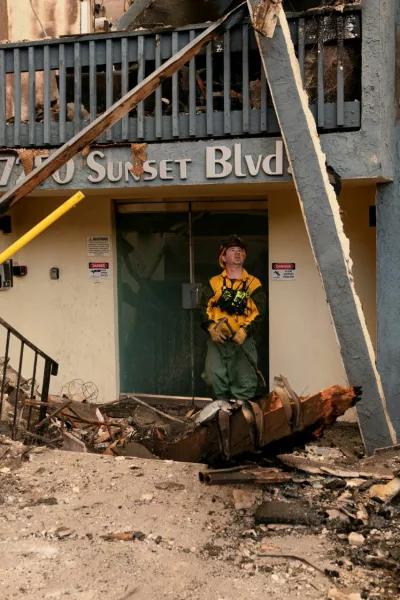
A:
(55, 87)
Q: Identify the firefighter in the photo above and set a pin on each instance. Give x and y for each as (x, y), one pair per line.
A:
(231, 349)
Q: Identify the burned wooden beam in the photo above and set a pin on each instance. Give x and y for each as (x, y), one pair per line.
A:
(265, 16)
(323, 222)
(254, 425)
(118, 110)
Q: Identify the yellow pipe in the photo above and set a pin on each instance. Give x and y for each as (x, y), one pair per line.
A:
(37, 230)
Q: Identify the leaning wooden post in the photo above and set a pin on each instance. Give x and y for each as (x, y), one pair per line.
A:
(322, 218)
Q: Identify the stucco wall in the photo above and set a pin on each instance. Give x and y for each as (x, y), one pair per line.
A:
(303, 345)
(74, 319)
(71, 319)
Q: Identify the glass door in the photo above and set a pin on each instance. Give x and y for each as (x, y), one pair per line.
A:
(162, 346)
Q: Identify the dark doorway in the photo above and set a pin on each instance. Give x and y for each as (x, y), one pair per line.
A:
(162, 347)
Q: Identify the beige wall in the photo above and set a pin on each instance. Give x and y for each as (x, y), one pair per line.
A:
(303, 345)
(72, 319)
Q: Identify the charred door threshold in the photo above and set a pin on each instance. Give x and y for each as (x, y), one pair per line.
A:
(159, 400)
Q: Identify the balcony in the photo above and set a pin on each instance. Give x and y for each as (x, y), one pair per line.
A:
(54, 88)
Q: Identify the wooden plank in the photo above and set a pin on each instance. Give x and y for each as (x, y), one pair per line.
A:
(32, 96)
(322, 219)
(92, 81)
(17, 98)
(159, 108)
(46, 95)
(124, 84)
(62, 73)
(175, 89)
(140, 108)
(320, 79)
(118, 110)
(77, 87)
(301, 45)
(340, 73)
(109, 83)
(209, 90)
(245, 77)
(192, 91)
(264, 102)
(227, 83)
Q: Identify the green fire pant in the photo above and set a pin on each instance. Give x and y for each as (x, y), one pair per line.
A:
(228, 372)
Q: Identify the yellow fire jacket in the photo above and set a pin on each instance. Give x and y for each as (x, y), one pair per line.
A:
(255, 309)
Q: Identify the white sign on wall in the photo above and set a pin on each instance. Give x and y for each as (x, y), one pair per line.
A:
(99, 245)
(99, 270)
(283, 271)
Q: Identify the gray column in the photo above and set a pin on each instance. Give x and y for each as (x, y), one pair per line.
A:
(325, 229)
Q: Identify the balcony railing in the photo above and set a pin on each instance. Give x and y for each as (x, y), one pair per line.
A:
(55, 87)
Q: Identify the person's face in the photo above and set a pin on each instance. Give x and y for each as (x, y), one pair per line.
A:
(234, 256)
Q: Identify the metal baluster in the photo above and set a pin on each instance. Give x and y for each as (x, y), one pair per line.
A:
(264, 101)
(109, 83)
(209, 90)
(32, 390)
(141, 71)
(21, 356)
(45, 389)
(301, 45)
(77, 87)
(124, 84)
(158, 107)
(340, 72)
(32, 95)
(62, 94)
(47, 90)
(175, 89)
(321, 92)
(92, 81)
(3, 379)
(227, 83)
(17, 98)
(192, 90)
(3, 99)
(245, 77)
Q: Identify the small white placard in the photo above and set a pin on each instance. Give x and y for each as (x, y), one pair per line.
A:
(99, 245)
(283, 271)
(99, 270)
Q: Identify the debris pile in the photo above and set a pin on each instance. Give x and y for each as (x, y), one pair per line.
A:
(219, 433)
(327, 491)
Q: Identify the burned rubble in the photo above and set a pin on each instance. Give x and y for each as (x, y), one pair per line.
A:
(287, 477)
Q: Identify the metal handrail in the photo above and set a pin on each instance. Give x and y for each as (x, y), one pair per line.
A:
(50, 368)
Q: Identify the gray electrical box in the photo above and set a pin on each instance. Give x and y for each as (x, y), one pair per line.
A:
(6, 275)
(191, 295)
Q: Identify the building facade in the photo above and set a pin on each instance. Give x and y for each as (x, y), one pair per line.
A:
(200, 159)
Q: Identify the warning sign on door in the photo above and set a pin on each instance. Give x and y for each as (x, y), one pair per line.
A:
(283, 271)
(99, 270)
(99, 245)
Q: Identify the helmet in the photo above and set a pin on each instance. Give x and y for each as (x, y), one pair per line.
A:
(231, 242)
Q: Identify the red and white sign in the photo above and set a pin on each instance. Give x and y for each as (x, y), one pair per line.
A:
(283, 271)
(99, 270)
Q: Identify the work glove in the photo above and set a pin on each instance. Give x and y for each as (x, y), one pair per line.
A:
(216, 334)
(239, 336)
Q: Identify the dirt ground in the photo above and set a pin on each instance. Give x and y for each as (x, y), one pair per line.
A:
(58, 508)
